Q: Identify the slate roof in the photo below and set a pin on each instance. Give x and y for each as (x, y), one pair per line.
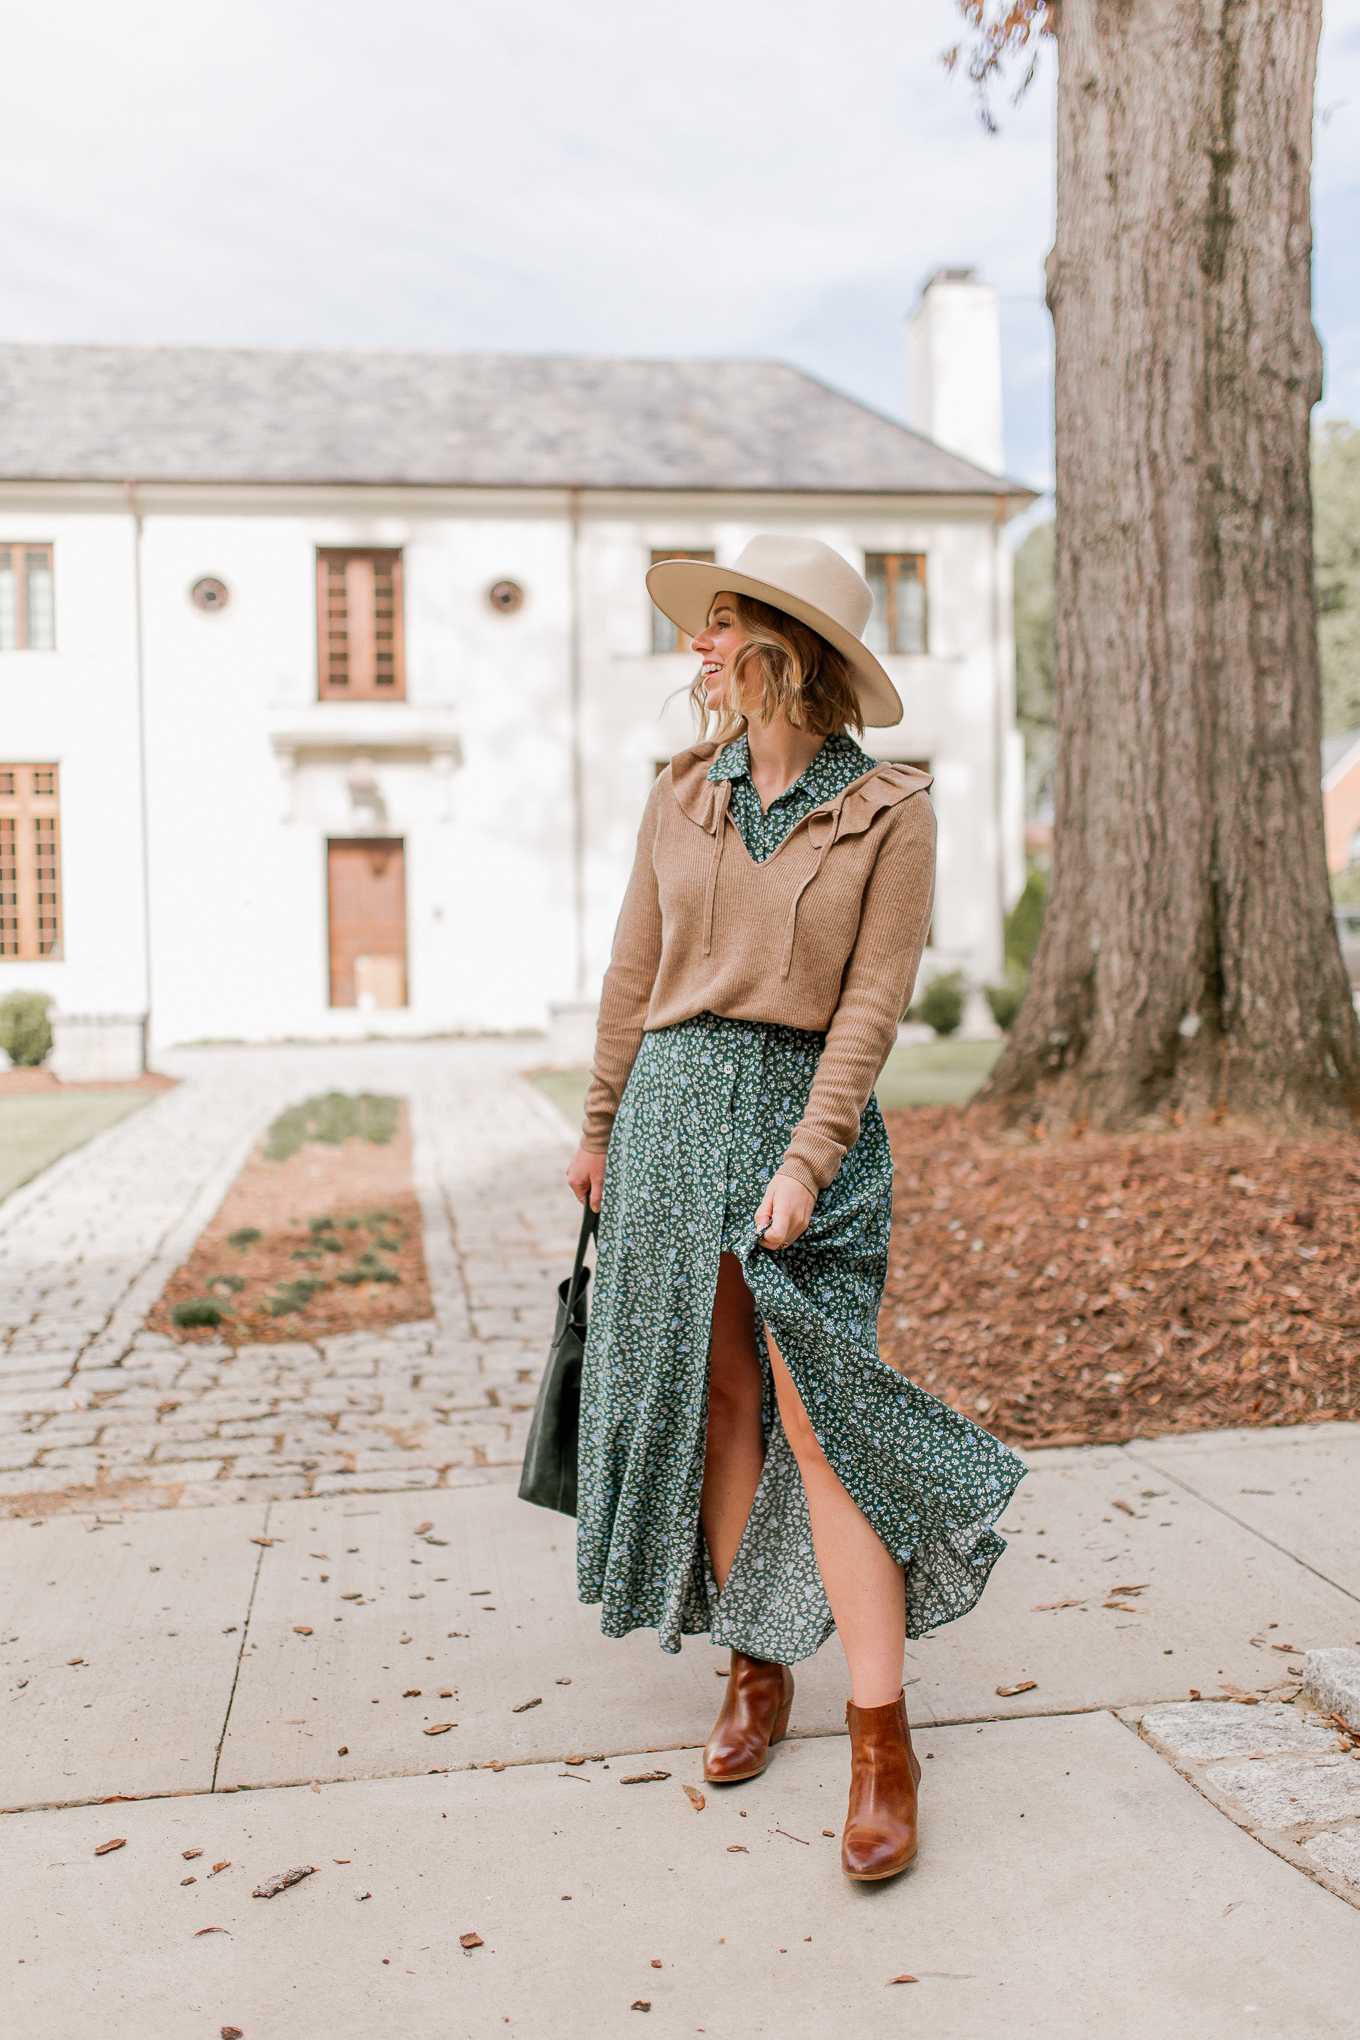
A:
(536, 421)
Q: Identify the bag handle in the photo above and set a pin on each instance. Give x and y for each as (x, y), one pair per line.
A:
(589, 1223)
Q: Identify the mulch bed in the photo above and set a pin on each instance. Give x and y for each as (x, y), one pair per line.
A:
(1090, 1290)
(23, 1082)
(363, 1188)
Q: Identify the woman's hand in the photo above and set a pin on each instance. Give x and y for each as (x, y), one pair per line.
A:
(786, 1209)
(585, 1174)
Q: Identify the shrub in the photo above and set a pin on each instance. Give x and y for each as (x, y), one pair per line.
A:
(368, 1268)
(1023, 923)
(244, 1236)
(234, 1283)
(941, 1003)
(291, 1296)
(332, 1119)
(198, 1310)
(25, 1031)
(1004, 1000)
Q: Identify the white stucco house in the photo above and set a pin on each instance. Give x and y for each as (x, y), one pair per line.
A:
(330, 692)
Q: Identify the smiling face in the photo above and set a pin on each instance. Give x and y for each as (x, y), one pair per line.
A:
(718, 644)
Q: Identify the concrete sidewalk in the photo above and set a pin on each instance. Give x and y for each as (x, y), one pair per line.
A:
(259, 1683)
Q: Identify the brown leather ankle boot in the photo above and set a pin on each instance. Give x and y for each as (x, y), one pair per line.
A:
(880, 1828)
(754, 1714)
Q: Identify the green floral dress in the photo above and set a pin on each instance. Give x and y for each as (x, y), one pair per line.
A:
(706, 1116)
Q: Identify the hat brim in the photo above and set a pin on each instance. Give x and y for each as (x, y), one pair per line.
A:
(684, 591)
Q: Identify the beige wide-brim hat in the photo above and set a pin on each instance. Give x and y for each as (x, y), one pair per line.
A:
(804, 578)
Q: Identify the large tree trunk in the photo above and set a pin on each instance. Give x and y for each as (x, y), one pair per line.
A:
(1189, 960)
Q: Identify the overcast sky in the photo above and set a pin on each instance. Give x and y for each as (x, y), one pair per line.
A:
(733, 177)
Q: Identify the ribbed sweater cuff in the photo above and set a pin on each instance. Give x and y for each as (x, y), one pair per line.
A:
(812, 1161)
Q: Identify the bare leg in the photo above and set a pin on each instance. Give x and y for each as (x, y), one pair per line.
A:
(734, 1450)
(863, 1580)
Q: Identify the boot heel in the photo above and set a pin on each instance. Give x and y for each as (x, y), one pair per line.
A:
(781, 1722)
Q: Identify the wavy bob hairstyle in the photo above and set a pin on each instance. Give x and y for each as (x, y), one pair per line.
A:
(801, 676)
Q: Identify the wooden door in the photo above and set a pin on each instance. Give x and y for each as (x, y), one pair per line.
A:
(367, 883)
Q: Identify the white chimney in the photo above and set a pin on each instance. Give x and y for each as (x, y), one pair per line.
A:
(954, 362)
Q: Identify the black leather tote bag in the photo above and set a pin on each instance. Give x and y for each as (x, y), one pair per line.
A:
(549, 1473)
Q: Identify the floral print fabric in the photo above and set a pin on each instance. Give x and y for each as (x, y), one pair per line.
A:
(837, 765)
(704, 1121)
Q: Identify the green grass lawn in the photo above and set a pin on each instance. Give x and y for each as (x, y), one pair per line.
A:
(38, 1128)
(916, 1073)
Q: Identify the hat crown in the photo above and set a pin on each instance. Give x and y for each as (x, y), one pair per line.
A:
(811, 572)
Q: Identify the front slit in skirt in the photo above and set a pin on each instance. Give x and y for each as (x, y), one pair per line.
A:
(705, 1119)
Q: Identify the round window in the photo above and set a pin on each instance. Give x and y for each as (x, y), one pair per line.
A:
(210, 594)
(507, 596)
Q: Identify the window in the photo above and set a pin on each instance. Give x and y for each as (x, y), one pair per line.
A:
(898, 622)
(668, 636)
(30, 887)
(359, 636)
(27, 610)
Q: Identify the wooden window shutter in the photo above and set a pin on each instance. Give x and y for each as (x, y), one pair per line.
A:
(30, 861)
(359, 625)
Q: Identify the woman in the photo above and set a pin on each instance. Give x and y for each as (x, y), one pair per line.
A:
(748, 1465)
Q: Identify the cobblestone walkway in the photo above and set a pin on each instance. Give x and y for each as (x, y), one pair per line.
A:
(92, 1407)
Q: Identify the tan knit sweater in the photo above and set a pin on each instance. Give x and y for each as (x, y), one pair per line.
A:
(825, 935)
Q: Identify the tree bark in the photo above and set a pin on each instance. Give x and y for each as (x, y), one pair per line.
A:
(1189, 962)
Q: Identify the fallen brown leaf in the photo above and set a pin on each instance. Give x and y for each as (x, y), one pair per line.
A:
(1024, 1686)
(494, 1765)
(301, 1629)
(1141, 1588)
(225, 1864)
(525, 1705)
(272, 1886)
(640, 2005)
(831, 1832)
(198, 1935)
(343, 1750)
(645, 1778)
(1116, 1504)
(261, 1540)
(315, 1786)
(695, 1797)
(737, 1849)
(439, 1728)
(421, 1528)
(189, 1854)
(1123, 1607)
(1042, 1607)
(904, 1979)
(75, 1660)
(118, 1842)
(471, 1941)
(1243, 1698)
(188, 1880)
(231, 2033)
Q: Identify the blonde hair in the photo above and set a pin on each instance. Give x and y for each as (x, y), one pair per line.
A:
(802, 677)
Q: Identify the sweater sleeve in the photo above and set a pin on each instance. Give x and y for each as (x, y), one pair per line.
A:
(628, 983)
(875, 988)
